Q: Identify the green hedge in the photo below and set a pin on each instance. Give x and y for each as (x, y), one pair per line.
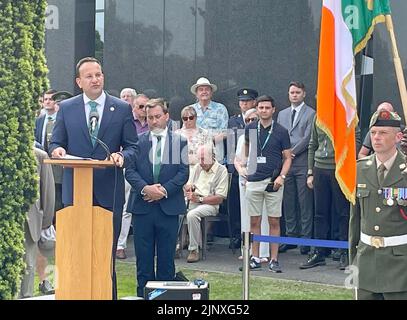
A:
(22, 79)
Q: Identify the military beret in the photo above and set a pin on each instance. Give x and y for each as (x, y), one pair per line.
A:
(384, 118)
(246, 94)
(61, 95)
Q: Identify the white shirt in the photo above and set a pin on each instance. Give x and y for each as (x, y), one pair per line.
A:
(163, 135)
(101, 104)
(297, 110)
(44, 127)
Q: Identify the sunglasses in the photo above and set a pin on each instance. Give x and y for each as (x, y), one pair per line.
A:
(190, 118)
(248, 120)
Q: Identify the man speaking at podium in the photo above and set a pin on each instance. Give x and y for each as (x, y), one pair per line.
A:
(92, 125)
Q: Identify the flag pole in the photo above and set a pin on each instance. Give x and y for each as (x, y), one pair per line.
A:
(397, 65)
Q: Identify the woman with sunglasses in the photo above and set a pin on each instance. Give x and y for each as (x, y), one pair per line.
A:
(194, 135)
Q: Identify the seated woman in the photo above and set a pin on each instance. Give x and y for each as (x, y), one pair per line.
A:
(194, 135)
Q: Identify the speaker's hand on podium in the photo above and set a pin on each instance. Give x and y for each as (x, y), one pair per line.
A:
(118, 159)
(58, 153)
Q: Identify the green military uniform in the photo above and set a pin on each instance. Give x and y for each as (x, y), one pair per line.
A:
(380, 212)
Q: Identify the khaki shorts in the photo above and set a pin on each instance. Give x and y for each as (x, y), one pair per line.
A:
(256, 196)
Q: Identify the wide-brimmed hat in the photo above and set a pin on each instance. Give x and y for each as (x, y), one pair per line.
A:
(203, 82)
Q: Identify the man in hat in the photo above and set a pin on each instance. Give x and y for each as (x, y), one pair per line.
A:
(378, 220)
(212, 116)
(236, 124)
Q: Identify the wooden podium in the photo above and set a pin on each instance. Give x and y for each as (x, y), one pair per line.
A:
(83, 254)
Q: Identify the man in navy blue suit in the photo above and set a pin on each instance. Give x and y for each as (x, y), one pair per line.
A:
(114, 126)
(156, 199)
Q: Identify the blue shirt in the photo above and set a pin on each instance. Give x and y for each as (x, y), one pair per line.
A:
(270, 148)
(214, 118)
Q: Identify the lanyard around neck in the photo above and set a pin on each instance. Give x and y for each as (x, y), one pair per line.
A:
(267, 138)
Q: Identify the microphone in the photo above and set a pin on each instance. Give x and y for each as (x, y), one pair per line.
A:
(102, 144)
(93, 120)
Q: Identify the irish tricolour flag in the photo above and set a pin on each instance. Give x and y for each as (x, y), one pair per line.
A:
(346, 26)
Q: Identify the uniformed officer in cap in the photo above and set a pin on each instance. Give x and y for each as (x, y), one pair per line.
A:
(378, 220)
(247, 100)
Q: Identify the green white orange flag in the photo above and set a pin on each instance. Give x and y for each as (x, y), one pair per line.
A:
(346, 26)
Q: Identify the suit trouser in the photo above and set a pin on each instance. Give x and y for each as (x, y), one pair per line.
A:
(194, 215)
(369, 295)
(30, 259)
(126, 219)
(329, 202)
(297, 204)
(155, 233)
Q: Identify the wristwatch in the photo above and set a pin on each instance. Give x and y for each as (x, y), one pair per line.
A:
(200, 199)
(282, 176)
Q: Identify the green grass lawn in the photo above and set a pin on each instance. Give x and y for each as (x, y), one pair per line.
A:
(225, 286)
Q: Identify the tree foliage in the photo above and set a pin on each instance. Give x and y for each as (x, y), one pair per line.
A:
(22, 79)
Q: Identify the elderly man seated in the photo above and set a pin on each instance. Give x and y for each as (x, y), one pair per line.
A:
(206, 189)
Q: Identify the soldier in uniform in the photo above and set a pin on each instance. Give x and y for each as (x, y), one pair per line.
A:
(378, 220)
(236, 124)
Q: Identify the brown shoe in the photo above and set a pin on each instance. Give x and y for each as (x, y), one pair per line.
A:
(193, 256)
(120, 254)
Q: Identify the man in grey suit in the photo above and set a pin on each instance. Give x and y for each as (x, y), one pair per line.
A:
(297, 198)
(39, 217)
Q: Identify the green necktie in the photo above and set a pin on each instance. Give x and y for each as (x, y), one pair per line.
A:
(380, 174)
(157, 160)
(93, 133)
(48, 132)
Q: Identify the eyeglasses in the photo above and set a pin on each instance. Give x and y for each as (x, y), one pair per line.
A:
(141, 106)
(248, 120)
(190, 118)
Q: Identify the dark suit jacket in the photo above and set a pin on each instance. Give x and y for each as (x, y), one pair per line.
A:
(174, 174)
(39, 125)
(236, 124)
(117, 131)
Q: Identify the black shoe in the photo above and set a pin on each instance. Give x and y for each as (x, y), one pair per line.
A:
(234, 243)
(343, 261)
(305, 249)
(284, 247)
(314, 260)
(46, 287)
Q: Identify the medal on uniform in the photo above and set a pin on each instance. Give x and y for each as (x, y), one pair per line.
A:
(390, 202)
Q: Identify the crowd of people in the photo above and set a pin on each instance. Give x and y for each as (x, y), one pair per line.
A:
(279, 173)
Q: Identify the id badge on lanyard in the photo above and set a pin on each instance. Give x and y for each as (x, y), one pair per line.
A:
(261, 158)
